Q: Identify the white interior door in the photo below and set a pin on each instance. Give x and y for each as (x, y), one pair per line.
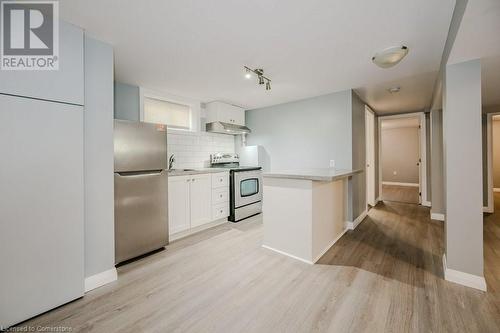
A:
(370, 156)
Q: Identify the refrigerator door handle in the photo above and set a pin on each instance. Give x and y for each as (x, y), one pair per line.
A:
(139, 173)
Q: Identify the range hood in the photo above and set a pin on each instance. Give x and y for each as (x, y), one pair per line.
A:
(226, 128)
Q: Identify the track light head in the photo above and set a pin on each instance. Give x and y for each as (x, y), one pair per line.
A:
(260, 75)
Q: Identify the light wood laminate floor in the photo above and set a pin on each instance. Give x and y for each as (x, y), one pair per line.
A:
(397, 193)
(385, 276)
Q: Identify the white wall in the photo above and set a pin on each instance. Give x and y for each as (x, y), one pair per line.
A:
(192, 149)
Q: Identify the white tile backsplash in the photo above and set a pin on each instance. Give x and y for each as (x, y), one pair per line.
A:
(192, 149)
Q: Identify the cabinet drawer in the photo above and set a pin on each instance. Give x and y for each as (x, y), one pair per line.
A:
(220, 180)
(220, 211)
(220, 195)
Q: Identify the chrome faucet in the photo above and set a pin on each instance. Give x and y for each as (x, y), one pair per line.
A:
(171, 161)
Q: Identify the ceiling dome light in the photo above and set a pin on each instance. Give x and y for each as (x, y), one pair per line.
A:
(390, 57)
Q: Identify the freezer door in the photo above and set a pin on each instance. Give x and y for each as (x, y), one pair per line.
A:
(141, 213)
(139, 146)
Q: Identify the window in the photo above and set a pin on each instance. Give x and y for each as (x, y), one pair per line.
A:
(173, 115)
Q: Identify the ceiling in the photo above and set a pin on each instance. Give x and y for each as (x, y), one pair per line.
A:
(197, 48)
(478, 37)
(400, 122)
(415, 94)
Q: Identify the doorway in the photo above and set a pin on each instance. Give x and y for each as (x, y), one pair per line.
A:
(370, 156)
(492, 194)
(402, 156)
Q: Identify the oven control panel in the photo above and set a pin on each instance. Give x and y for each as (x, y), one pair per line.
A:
(220, 158)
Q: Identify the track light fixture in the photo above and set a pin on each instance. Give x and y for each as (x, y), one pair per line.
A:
(260, 75)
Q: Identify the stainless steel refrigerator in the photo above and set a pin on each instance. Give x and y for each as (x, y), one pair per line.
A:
(141, 202)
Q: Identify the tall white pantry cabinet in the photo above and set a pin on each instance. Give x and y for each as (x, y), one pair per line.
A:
(42, 184)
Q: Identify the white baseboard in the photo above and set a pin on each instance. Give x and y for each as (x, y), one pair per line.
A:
(426, 203)
(465, 279)
(287, 254)
(436, 216)
(352, 225)
(329, 246)
(401, 184)
(100, 279)
(305, 260)
(488, 210)
(181, 234)
(496, 189)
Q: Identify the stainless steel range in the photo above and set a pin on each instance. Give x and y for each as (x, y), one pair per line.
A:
(245, 186)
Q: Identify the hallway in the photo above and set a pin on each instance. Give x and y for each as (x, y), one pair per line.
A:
(492, 247)
(398, 193)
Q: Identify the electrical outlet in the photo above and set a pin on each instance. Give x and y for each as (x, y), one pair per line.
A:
(332, 163)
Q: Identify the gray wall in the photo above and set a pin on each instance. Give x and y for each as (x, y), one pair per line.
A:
(400, 154)
(437, 183)
(496, 153)
(126, 102)
(463, 176)
(306, 133)
(310, 132)
(99, 197)
(358, 182)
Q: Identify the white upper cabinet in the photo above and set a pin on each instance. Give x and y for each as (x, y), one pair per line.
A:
(63, 85)
(226, 113)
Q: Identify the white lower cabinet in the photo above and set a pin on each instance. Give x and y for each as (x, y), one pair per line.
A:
(201, 200)
(194, 201)
(178, 204)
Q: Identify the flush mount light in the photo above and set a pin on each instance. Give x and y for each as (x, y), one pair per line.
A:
(260, 75)
(394, 90)
(390, 57)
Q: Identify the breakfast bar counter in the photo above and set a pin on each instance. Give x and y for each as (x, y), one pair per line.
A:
(305, 211)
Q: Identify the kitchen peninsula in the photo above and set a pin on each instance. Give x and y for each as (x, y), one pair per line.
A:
(305, 211)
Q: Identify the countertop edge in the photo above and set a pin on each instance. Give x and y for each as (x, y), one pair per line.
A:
(323, 178)
(196, 172)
